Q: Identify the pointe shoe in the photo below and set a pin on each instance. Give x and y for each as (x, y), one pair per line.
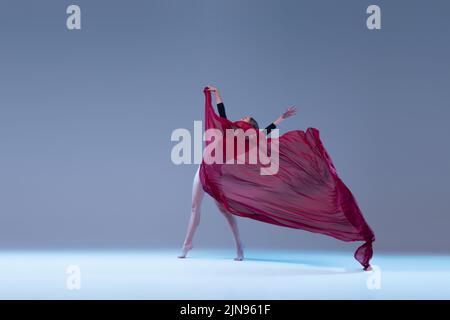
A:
(184, 251)
(240, 254)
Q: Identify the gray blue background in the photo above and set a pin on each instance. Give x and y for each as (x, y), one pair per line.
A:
(86, 116)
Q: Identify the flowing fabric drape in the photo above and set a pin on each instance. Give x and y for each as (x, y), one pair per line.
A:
(305, 193)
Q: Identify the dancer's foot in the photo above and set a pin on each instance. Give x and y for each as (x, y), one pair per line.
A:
(240, 253)
(185, 250)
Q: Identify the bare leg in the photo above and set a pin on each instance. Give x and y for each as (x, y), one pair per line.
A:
(194, 221)
(231, 219)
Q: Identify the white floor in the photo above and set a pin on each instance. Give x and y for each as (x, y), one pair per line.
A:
(214, 275)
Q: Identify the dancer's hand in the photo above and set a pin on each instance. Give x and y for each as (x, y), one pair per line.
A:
(212, 89)
(216, 92)
(291, 111)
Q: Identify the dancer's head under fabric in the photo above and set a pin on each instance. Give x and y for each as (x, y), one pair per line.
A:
(250, 120)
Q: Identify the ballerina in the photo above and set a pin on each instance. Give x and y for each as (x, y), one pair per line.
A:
(198, 192)
(304, 193)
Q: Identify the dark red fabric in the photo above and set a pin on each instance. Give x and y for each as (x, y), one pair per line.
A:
(306, 193)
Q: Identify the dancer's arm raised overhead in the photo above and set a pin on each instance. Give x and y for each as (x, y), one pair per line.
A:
(220, 105)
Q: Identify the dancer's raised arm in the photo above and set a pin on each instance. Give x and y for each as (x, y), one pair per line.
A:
(288, 113)
(219, 102)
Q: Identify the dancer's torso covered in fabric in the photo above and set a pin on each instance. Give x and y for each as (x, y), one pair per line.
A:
(306, 192)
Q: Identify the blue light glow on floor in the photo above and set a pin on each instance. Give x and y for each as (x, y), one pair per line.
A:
(213, 274)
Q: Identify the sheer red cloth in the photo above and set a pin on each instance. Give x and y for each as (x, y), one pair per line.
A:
(305, 193)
